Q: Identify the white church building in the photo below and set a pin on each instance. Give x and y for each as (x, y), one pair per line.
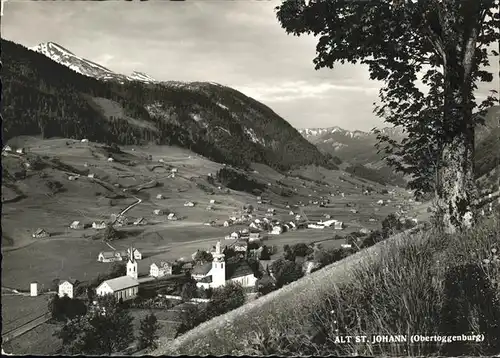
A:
(124, 287)
(218, 272)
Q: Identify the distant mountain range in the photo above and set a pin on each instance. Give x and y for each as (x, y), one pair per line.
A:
(357, 148)
(52, 92)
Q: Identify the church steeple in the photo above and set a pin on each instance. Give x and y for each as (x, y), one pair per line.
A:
(132, 264)
(218, 266)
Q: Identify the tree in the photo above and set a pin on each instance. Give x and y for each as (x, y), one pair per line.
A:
(148, 331)
(188, 291)
(226, 298)
(118, 269)
(447, 40)
(104, 330)
(285, 272)
(203, 257)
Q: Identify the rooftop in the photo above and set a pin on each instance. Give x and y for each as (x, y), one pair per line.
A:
(121, 283)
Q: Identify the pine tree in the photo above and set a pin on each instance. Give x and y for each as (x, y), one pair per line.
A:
(148, 332)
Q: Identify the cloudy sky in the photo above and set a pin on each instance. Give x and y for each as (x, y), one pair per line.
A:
(237, 43)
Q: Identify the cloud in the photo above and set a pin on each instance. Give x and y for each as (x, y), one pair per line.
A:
(288, 91)
(236, 43)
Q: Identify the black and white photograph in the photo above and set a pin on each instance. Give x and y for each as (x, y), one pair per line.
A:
(250, 177)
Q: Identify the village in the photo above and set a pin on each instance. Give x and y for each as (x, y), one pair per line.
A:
(182, 235)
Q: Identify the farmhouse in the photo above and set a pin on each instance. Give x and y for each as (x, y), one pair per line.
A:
(171, 216)
(84, 140)
(158, 212)
(226, 223)
(339, 225)
(110, 159)
(72, 178)
(91, 175)
(380, 202)
(212, 201)
(76, 225)
(160, 269)
(109, 256)
(99, 225)
(7, 148)
(277, 230)
(189, 204)
(291, 213)
(124, 288)
(40, 233)
(210, 208)
(159, 196)
(20, 151)
(220, 272)
(67, 288)
(240, 246)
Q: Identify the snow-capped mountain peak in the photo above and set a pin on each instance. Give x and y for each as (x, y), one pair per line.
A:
(86, 67)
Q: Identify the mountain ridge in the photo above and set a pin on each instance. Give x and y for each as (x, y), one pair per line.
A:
(84, 66)
(45, 97)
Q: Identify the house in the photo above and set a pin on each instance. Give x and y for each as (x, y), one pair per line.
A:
(235, 235)
(34, 289)
(91, 176)
(277, 230)
(7, 148)
(72, 178)
(140, 221)
(67, 288)
(123, 288)
(201, 270)
(315, 226)
(173, 170)
(109, 256)
(291, 213)
(171, 216)
(220, 272)
(189, 204)
(298, 217)
(158, 212)
(226, 223)
(110, 159)
(40, 233)
(327, 216)
(240, 246)
(76, 225)
(272, 211)
(210, 208)
(20, 151)
(159, 196)
(354, 211)
(99, 225)
(210, 223)
(339, 225)
(84, 140)
(346, 246)
(292, 225)
(137, 255)
(160, 269)
(253, 226)
(364, 231)
(212, 201)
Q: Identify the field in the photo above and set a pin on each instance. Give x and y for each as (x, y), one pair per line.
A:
(18, 310)
(49, 200)
(38, 341)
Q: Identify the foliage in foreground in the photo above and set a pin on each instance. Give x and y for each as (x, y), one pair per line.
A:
(435, 285)
(103, 330)
(148, 332)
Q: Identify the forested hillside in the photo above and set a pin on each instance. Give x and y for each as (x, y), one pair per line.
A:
(41, 97)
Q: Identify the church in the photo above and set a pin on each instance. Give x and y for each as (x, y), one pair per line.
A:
(218, 272)
(124, 287)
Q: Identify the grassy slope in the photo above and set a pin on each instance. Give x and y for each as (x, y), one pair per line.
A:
(395, 287)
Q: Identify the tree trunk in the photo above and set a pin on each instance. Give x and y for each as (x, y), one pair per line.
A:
(456, 191)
